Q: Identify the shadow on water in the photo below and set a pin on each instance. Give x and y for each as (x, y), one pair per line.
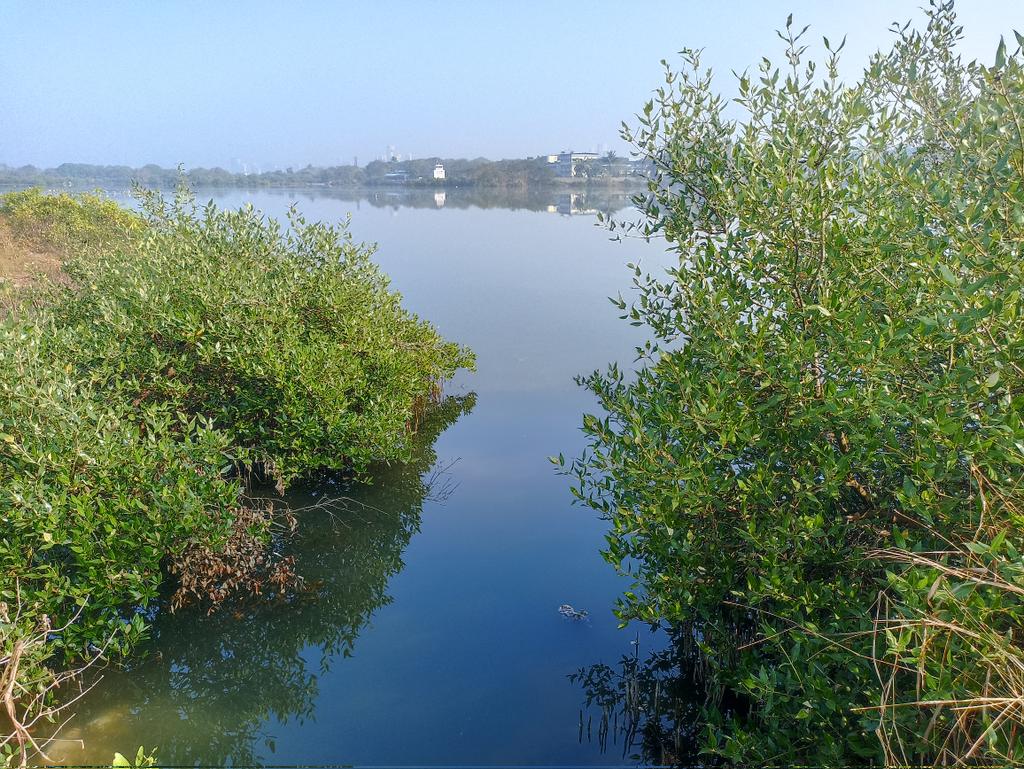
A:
(206, 687)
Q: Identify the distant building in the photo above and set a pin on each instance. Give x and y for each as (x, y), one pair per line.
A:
(439, 171)
(565, 162)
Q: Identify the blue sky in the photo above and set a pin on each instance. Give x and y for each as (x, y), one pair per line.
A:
(290, 83)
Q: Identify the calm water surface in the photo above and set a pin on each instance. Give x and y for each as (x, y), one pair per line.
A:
(434, 635)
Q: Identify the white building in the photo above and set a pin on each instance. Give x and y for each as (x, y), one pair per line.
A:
(439, 171)
(565, 162)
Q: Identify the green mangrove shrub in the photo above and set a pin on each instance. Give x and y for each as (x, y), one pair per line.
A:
(288, 339)
(68, 222)
(817, 466)
(182, 346)
(96, 497)
(95, 493)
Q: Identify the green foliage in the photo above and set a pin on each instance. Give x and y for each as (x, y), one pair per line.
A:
(94, 493)
(183, 345)
(67, 222)
(95, 496)
(833, 382)
(142, 760)
(289, 341)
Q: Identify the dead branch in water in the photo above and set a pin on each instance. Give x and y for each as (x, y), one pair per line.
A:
(27, 685)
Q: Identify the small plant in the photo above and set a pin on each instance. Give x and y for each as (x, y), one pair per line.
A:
(142, 760)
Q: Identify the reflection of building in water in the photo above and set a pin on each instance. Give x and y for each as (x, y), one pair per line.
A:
(439, 198)
(439, 171)
(572, 204)
(565, 162)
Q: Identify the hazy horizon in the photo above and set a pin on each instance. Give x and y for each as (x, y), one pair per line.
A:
(326, 84)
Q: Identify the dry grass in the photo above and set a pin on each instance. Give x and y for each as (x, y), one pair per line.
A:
(963, 646)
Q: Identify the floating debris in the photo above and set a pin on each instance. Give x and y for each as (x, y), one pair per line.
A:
(570, 613)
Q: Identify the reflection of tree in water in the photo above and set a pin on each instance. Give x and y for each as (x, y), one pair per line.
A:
(225, 675)
(543, 198)
(650, 709)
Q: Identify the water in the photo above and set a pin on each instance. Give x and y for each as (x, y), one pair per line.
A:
(434, 636)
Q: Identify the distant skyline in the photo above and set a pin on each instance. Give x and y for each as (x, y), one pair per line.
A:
(271, 84)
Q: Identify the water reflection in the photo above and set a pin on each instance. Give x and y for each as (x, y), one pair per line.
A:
(581, 202)
(209, 689)
(647, 707)
(550, 199)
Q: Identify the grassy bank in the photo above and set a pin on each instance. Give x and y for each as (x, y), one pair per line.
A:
(168, 355)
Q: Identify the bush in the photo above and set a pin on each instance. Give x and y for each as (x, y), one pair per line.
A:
(289, 341)
(66, 222)
(183, 347)
(95, 494)
(833, 390)
(95, 498)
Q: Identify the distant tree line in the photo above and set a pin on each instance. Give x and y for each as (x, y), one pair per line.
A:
(459, 172)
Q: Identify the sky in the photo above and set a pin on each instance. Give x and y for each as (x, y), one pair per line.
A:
(269, 84)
